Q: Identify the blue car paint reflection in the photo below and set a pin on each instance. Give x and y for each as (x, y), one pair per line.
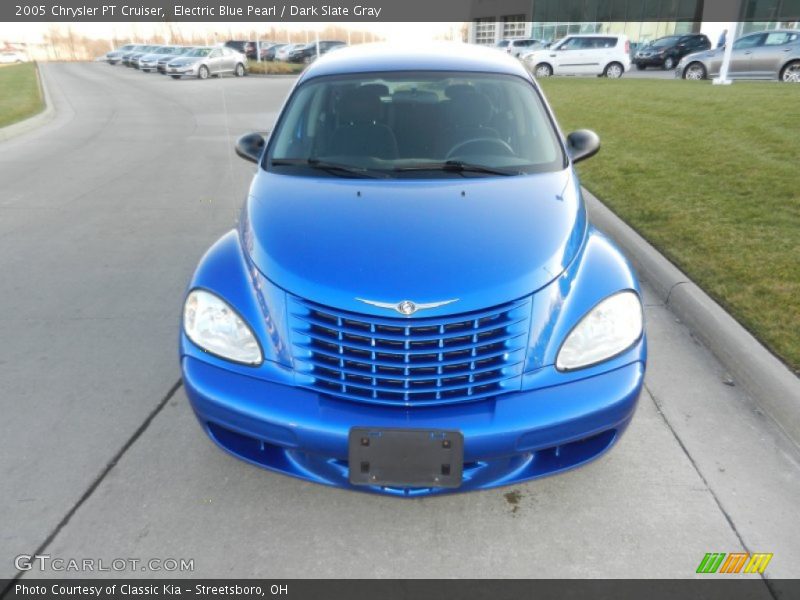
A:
(308, 248)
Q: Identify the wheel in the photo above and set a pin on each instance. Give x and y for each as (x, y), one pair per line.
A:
(543, 70)
(308, 60)
(202, 72)
(175, 76)
(239, 71)
(791, 72)
(640, 67)
(669, 63)
(613, 70)
(695, 71)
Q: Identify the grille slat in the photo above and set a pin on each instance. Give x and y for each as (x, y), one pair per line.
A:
(443, 334)
(410, 373)
(440, 361)
(400, 347)
(409, 361)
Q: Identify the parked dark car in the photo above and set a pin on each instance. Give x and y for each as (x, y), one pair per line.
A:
(267, 49)
(308, 53)
(243, 47)
(666, 52)
(269, 53)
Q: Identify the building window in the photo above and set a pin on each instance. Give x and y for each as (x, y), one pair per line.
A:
(514, 26)
(484, 31)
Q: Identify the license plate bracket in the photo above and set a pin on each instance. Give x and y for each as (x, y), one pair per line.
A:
(405, 457)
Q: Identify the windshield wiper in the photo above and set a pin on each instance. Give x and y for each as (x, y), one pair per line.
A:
(458, 166)
(324, 165)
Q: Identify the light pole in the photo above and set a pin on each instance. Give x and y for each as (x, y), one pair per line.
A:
(726, 57)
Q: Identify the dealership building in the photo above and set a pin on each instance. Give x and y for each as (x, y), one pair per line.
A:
(640, 20)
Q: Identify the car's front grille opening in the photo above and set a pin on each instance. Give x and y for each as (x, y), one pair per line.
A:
(409, 361)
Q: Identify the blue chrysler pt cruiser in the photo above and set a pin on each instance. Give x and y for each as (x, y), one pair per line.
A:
(414, 301)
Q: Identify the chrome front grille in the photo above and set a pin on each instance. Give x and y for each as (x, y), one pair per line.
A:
(409, 361)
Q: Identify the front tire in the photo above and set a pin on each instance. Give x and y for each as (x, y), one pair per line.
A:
(695, 72)
(175, 76)
(613, 70)
(239, 70)
(640, 67)
(791, 72)
(543, 70)
(669, 63)
(202, 72)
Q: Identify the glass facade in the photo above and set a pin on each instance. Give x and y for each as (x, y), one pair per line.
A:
(484, 31)
(514, 26)
(641, 20)
(637, 31)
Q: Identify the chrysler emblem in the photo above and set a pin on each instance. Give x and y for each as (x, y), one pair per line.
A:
(407, 307)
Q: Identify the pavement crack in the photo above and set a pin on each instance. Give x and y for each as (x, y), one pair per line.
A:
(727, 516)
(99, 479)
(672, 287)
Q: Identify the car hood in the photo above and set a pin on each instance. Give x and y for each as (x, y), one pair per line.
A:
(483, 241)
(703, 54)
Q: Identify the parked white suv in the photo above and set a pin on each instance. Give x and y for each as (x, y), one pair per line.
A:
(585, 54)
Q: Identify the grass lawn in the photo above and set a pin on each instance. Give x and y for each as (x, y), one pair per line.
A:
(710, 175)
(274, 67)
(20, 96)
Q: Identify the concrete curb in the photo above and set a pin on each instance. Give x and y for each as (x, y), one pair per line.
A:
(771, 384)
(37, 120)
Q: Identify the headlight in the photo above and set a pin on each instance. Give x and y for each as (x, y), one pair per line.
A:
(214, 326)
(609, 328)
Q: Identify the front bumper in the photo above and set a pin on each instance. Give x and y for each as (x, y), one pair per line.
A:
(512, 438)
(181, 71)
(650, 61)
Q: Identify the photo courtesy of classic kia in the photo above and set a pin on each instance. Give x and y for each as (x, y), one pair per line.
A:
(414, 301)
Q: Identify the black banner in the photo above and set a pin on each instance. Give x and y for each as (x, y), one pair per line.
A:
(747, 587)
(397, 10)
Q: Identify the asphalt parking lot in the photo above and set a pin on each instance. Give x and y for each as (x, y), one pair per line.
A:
(104, 213)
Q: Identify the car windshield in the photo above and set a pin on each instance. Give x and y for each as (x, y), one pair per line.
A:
(199, 52)
(423, 124)
(665, 41)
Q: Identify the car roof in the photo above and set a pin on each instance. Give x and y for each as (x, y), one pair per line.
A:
(437, 56)
(579, 35)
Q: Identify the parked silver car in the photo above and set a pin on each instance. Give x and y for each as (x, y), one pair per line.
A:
(762, 55)
(115, 56)
(161, 65)
(205, 61)
(149, 62)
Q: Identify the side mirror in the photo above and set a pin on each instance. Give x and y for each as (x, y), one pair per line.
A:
(582, 144)
(250, 146)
